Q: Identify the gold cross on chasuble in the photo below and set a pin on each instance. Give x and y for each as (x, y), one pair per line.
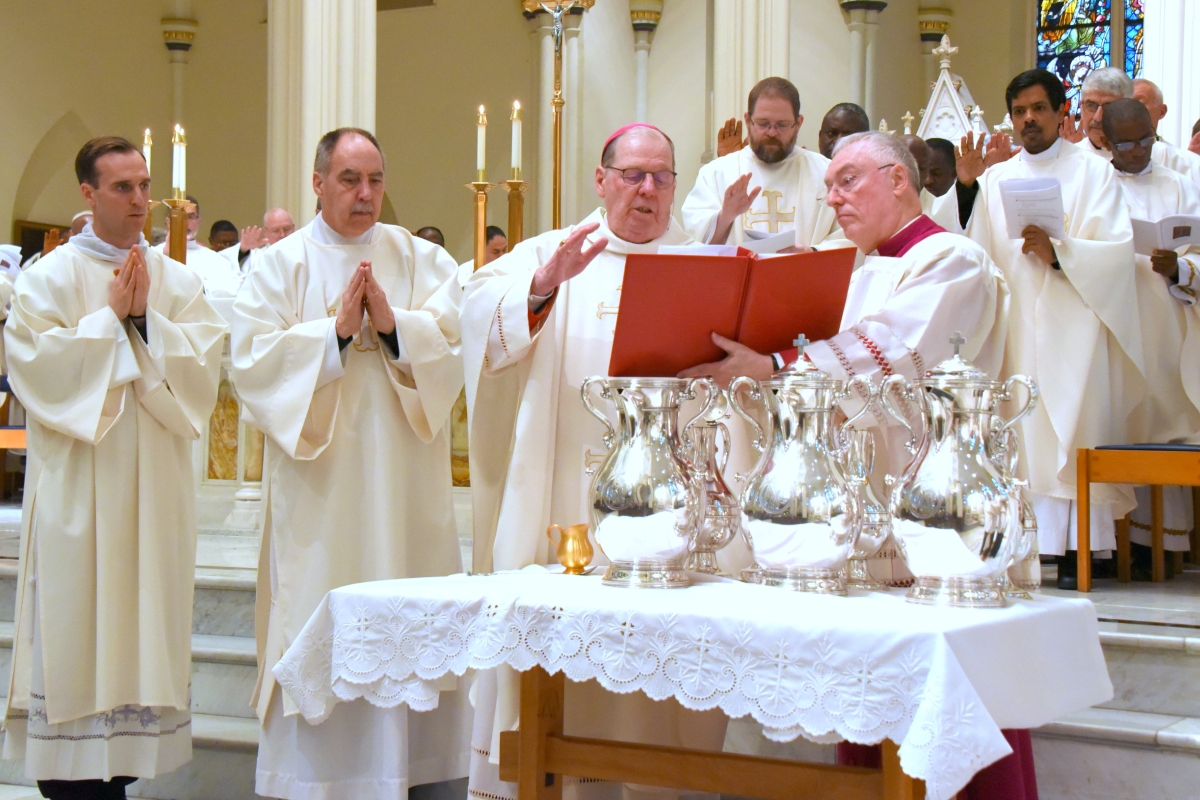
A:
(773, 215)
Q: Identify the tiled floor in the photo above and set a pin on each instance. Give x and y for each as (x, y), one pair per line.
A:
(1175, 602)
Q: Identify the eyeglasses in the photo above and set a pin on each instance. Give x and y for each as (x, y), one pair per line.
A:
(663, 179)
(1125, 147)
(848, 182)
(762, 126)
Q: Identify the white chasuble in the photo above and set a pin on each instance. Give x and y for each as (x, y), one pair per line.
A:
(1171, 337)
(356, 484)
(218, 273)
(531, 441)
(108, 539)
(1180, 160)
(792, 198)
(1073, 331)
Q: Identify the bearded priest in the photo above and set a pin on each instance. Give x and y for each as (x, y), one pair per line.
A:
(346, 354)
(536, 323)
(769, 186)
(1072, 328)
(115, 354)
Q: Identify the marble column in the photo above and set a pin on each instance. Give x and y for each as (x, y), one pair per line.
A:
(178, 35)
(320, 76)
(645, 16)
(544, 189)
(1172, 60)
(751, 40)
(864, 27)
(932, 24)
(572, 114)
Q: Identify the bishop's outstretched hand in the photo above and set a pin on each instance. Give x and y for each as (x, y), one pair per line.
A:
(570, 259)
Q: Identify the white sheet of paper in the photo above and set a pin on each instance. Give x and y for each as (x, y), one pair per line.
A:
(762, 243)
(698, 250)
(1033, 201)
(1168, 233)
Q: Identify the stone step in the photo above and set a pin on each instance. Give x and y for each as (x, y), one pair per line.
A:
(1105, 753)
(1153, 668)
(224, 750)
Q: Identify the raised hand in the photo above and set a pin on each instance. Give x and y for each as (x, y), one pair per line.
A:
(123, 287)
(253, 237)
(1194, 144)
(349, 319)
(1166, 263)
(740, 360)
(141, 284)
(737, 201)
(999, 149)
(568, 260)
(1069, 130)
(729, 137)
(970, 163)
(383, 319)
(50, 240)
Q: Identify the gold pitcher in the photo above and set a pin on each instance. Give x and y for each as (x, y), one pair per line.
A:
(573, 549)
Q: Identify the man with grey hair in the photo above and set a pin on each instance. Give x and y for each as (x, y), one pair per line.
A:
(919, 284)
(345, 350)
(1182, 160)
(1100, 86)
(277, 225)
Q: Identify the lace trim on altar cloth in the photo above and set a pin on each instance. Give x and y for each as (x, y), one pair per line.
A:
(826, 690)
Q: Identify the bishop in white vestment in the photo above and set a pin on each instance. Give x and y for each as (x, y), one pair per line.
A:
(769, 186)
(536, 323)
(115, 354)
(345, 351)
(1167, 285)
(1072, 327)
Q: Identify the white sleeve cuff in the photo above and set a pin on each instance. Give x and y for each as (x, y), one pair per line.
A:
(332, 364)
(1189, 282)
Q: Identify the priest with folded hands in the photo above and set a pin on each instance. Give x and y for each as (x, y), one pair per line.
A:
(536, 323)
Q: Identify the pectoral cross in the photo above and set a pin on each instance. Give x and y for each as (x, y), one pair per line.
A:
(773, 215)
(958, 341)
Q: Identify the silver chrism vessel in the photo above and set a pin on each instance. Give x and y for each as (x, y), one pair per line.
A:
(956, 516)
(709, 442)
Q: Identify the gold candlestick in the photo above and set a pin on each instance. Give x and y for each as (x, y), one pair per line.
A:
(177, 228)
(481, 188)
(516, 189)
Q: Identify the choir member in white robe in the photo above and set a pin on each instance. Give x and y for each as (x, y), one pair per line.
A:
(99, 693)
(219, 276)
(536, 323)
(1182, 160)
(769, 186)
(345, 352)
(918, 288)
(1072, 327)
(1167, 285)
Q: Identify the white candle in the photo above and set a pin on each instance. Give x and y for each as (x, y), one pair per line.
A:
(516, 139)
(147, 143)
(481, 142)
(179, 162)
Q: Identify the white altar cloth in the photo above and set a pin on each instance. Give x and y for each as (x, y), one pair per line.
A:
(940, 682)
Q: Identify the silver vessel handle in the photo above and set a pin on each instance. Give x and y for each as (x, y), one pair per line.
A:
(722, 428)
(710, 401)
(760, 438)
(610, 435)
(847, 392)
(900, 384)
(1030, 403)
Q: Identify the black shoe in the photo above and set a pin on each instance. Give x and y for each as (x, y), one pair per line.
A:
(1068, 571)
(1104, 567)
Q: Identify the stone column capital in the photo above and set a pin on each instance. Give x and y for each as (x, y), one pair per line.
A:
(863, 5)
(934, 23)
(178, 35)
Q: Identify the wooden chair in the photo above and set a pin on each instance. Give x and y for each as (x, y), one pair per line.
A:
(1155, 465)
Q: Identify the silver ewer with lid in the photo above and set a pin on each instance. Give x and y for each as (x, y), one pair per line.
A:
(709, 443)
(956, 515)
(647, 497)
(801, 514)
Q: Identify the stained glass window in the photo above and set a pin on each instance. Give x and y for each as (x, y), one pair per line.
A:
(1075, 37)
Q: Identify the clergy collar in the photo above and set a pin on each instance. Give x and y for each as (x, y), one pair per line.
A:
(1049, 154)
(1149, 168)
(675, 235)
(321, 233)
(909, 237)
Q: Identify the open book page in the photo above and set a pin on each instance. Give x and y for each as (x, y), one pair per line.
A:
(1169, 233)
(698, 250)
(764, 243)
(1033, 201)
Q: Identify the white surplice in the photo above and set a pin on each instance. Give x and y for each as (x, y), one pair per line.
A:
(219, 274)
(108, 539)
(792, 198)
(1181, 160)
(356, 487)
(899, 318)
(1171, 338)
(531, 441)
(1072, 330)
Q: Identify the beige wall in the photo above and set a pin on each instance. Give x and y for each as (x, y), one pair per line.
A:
(74, 70)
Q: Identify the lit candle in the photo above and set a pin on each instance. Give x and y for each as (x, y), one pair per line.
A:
(516, 140)
(147, 143)
(481, 144)
(179, 162)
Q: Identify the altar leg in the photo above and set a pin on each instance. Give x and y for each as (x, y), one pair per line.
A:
(541, 716)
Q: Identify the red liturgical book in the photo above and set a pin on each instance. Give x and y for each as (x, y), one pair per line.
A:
(671, 305)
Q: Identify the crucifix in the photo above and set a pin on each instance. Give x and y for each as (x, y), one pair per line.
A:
(958, 341)
(556, 9)
(773, 215)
